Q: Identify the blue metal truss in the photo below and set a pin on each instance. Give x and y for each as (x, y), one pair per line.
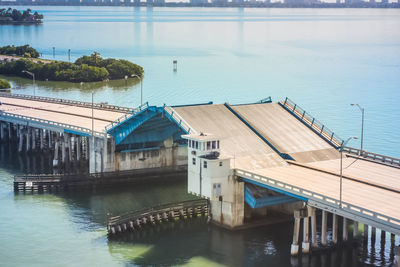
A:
(274, 189)
(267, 200)
(149, 125)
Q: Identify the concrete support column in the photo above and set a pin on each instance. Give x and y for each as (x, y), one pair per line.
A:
(1, 132)
(63, 149)
(313, 227)
(33, 139)
(41, 132)
(55, 160)
(294, 250)
(365, 231)
(305, 247)
(28, 139)
(355, 229)
(68, 137)
(398, 256)
(78, 148)
(9, 131)
(50, 133)
(20, 139)
(87, 147)
(345, 232)
(334, 228)
(373, 234)
(324, 227)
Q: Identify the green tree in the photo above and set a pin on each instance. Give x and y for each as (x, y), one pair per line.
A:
(4, 84)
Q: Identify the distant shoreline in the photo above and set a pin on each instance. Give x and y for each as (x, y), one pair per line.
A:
(378, 5)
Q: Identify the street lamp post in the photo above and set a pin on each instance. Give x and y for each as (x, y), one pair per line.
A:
(33, 78)
(362, 126)
(341, 167)
(141, 87)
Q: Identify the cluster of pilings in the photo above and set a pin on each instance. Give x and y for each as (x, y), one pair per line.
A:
(65, 147)
(153, 216)
(308, 216)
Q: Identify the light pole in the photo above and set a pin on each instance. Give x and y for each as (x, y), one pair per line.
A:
(141, 87)
(362, 126)
(33, 78)
(341, 167)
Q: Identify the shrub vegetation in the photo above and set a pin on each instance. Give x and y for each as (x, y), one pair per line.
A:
(85, 69)
(4, 84)
(22, 51)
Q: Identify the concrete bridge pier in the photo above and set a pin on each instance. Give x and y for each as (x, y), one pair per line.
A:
(345, 236)
(355, 229)
(313, 217)
(56, 152)
(334, 229)
(294, 249)
(305, 246)
(28, 139)
(365, 231)
(78, 147)
(96, 154)
(50, 140)
(2, 132)
(33, 130)
(69, 146)
(20, 138)
(324, 228)
(41, 133)
(63, 148)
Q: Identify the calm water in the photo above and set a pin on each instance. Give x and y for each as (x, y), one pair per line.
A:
(322, 59)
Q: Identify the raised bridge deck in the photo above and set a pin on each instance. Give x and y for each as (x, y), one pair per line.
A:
(282, 147)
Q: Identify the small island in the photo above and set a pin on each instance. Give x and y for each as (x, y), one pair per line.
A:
(14, 16)
(91, 68)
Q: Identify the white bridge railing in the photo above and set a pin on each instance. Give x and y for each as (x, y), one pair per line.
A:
(372, 156)
(60, 125)
(102, 106)
(179, 120)
(378, 218)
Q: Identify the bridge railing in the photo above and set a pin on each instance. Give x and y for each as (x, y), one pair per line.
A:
(158, 208)
(101, 106)
(178, 119)
(312, 122)
(372, 156)
(64, 126)
(126, 116)
(319, 198)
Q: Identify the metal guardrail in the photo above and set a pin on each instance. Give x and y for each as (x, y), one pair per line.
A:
(313, 123)
(123, 218)
(74, 128)
(361, 212)
(179, 120)
(67, 102)
(127, 116)
(372, 156)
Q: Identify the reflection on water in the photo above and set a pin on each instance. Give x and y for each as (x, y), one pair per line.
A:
(26, 86)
